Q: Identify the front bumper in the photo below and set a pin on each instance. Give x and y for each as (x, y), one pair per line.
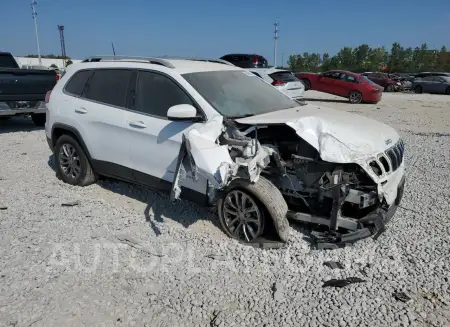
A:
(372, 225)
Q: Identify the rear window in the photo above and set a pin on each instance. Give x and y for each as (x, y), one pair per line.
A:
(76, 84)
(7, 61)
(109, 86)
(285, 76)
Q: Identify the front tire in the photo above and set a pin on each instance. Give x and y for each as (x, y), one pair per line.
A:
(418, 89)
(447, 91)
(38, 119)
(72, 164)
(355, 97)
(245, 208)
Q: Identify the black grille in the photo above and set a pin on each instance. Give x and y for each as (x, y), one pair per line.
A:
(395, 154)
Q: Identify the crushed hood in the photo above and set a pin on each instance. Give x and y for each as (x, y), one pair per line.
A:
(339, 136)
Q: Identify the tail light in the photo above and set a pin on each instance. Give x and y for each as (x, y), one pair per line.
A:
(57, 77)
(278, 83)
(47, 96)
(255, 61)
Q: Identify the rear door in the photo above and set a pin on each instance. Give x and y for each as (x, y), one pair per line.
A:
(327, 82)
(102, 113)
(288, 83)
(428, 84)
(345, 84)
(438, 85)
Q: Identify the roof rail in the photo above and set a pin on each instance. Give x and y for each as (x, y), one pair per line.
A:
(218, 61)
(151, 60)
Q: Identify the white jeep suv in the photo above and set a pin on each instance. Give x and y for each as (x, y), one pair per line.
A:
(218, 135)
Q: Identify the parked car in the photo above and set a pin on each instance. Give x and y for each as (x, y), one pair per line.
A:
(426, 74)
(389, 82)
(246, 60)
(355, 87)
(432, 84)
(283, 80)
(227, 139)
(22, 91)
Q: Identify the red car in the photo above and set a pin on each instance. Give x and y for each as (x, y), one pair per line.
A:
(355, 87)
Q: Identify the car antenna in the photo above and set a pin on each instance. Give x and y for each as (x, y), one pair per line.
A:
(114, 51)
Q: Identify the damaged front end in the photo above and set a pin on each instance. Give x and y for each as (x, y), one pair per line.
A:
(346, 198)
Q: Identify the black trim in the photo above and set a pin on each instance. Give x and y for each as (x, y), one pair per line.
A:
(75, 132)
(136, 177)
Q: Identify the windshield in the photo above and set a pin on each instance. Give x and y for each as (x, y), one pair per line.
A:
(238, 93)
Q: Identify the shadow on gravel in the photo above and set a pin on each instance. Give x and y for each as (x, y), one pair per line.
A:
(18, 124)
(158, 205)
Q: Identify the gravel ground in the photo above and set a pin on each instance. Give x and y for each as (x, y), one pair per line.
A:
(125, 256)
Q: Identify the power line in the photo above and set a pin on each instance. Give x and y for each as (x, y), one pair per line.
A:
(34, 14)
(275, 39)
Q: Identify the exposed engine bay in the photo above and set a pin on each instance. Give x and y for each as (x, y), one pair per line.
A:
(340, 196)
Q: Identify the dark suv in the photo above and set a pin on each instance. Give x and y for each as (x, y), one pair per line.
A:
(246, 60)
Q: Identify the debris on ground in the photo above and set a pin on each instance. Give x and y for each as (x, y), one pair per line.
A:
(3, 208)
(70, 204)
(219, 257)
(333, 264)
(401, 296)
(342, 282)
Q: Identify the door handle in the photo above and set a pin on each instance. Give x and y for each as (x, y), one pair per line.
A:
(138, 124)
(81, 110)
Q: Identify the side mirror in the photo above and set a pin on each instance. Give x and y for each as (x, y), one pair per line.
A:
(183, 112)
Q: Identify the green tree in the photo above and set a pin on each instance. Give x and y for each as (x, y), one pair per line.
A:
(69, 62)
(53, 66)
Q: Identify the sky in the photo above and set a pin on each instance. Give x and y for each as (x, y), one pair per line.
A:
(214, 28)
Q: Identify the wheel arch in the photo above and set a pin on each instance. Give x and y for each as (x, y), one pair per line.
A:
(59, 129)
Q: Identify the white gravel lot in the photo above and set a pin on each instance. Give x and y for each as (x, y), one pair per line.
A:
(126, 256)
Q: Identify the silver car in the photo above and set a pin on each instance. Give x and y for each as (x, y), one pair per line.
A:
(432, 84)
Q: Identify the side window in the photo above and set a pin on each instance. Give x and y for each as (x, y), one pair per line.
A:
(77, 82)
(156, 93)
(109, 86)
(334, 75)
(349, 78)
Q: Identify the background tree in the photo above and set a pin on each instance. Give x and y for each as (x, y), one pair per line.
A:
(365, 58)
(69, 62)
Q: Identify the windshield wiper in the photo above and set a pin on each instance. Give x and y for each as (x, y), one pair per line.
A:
(241, 116)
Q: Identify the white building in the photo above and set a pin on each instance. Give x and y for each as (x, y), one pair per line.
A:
(25, 62)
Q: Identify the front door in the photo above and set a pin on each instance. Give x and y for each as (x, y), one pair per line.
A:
(156, 140)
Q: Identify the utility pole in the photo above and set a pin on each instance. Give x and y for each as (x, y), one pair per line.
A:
(275, 39)
(63, 44)
(34, 14)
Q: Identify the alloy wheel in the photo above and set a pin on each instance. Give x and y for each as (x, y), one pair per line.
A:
(355, 97)
(69, 161)
(243, 218)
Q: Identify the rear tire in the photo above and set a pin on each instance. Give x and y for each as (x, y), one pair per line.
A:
(38, 119)
(355, 97)
(307, 84)
(390, 88)
(271, 205)
(418, 89)
(72, 164)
